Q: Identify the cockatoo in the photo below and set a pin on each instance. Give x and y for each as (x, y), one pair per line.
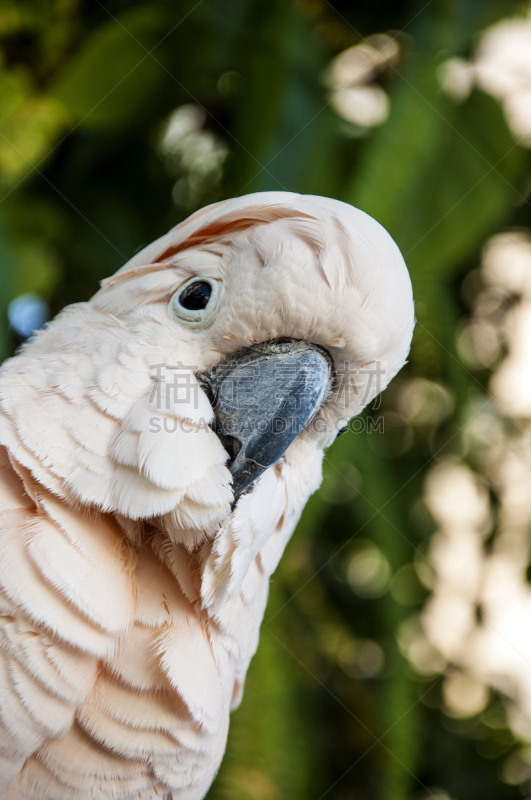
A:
(157, 446)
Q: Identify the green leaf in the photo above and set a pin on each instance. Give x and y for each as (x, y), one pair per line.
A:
(282, 131)
(6, 291)
(38, 269)
(439, 176)
(110, 79)
(28, 135)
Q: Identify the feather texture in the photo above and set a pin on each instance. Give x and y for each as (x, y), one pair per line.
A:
(132, 587)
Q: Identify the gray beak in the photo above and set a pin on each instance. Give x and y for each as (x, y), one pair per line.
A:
(262, 398)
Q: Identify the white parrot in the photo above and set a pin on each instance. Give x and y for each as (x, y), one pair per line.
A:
(157, 446)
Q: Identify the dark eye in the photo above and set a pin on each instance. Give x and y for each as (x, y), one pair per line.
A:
(342, 430)
(195, 303)
(196, 296)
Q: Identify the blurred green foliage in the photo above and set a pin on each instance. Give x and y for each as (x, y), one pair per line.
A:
(331, 708)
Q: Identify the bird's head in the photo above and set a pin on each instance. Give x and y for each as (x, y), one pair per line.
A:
(294, 311)
(283, 314)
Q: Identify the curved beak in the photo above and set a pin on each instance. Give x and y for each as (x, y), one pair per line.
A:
(262, 398)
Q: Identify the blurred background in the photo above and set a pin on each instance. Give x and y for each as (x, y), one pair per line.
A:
(395, 655)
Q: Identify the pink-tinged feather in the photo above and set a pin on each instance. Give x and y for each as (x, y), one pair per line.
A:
(132, 587)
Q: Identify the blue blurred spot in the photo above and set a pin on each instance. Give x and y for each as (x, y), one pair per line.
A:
(27, 313)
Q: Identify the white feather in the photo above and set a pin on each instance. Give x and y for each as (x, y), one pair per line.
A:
(131, 587)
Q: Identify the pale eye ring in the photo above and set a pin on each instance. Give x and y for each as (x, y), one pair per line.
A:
(196, 301)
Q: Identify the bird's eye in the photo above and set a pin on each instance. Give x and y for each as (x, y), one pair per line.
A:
(196, 301)
(196, 296)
